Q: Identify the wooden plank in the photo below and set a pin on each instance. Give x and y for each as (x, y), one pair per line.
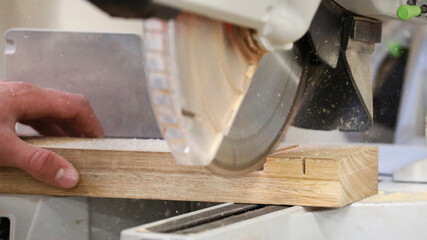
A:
(325, 176)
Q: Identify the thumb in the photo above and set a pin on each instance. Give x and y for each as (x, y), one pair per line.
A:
(46, 166)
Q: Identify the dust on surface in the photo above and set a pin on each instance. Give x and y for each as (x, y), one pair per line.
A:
(383, 196)
(115, 144)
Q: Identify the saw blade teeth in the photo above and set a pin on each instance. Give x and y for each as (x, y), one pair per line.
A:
(158, 81)
(158, 72)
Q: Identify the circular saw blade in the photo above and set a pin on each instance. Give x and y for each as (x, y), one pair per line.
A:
(263, 116)
(216, 102)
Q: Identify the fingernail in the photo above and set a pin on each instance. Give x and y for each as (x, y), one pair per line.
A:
(67, 177)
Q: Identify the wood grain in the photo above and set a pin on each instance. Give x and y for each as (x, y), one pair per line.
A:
(324, 176)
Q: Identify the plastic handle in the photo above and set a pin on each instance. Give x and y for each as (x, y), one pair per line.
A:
(406, 12)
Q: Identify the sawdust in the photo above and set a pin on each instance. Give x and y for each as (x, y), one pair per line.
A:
(137, 145)
(382, 197)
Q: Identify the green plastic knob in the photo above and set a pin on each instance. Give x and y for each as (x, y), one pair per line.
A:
(406, 12)
(395, 49)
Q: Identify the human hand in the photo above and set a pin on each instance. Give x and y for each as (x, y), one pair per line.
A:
(50, 112)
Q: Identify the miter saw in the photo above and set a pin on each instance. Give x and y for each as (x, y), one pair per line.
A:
(227, 78)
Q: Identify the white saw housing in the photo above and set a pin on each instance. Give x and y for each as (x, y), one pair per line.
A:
(279, 23)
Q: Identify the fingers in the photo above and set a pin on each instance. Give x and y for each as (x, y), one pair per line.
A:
(46, 128)
(33, 103)
(50, 112)
(42, 164)
(70, 128)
